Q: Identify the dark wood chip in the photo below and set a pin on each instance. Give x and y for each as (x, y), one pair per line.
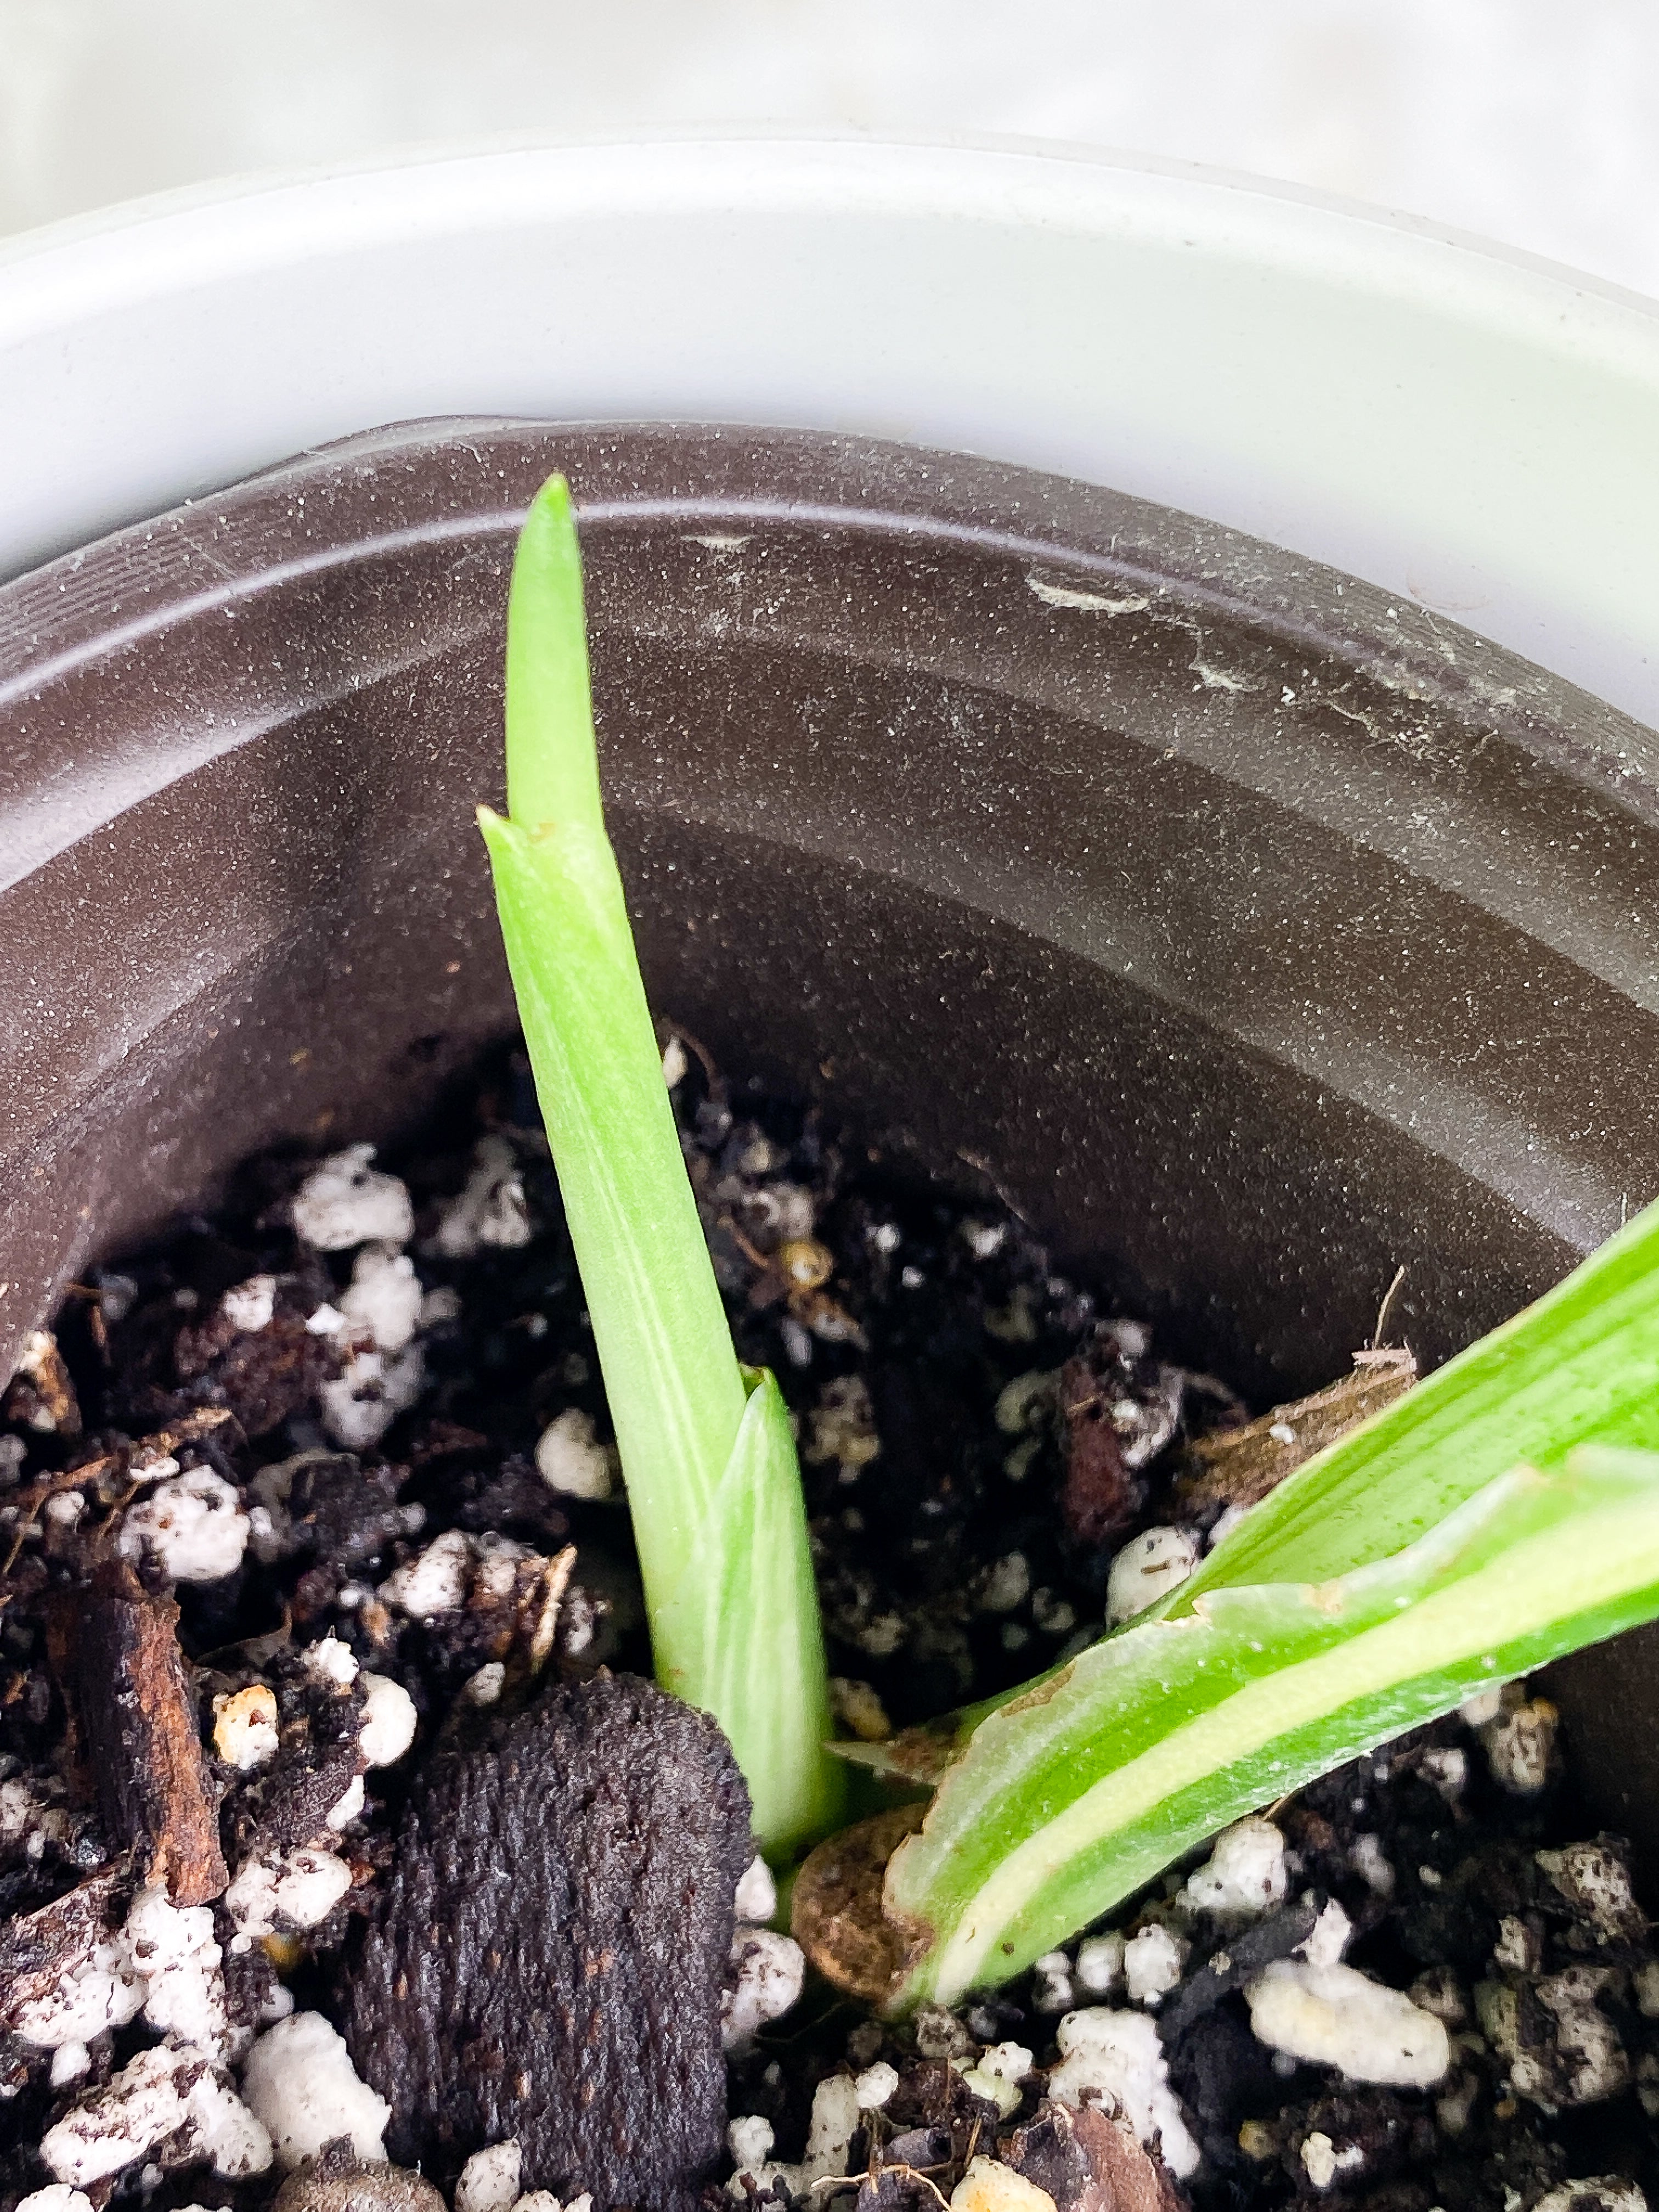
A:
(932, 2098)
(549, 1958)
(1089, 2162)
(118, 1647)
(38, 1948)
(1123, 2174)
(1046, 2153)
(1240, 1960)
(1099, 1498)
(1239, 1466)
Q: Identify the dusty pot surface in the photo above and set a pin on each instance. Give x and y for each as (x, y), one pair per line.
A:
(1253, 935)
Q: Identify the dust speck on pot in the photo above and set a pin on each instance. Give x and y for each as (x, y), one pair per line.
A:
(349, 1864)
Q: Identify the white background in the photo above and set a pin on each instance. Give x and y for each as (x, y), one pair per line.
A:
(1533, 122)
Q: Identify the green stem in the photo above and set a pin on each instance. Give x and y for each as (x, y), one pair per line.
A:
(713, 1484)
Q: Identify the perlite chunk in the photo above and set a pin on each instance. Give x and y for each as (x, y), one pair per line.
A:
(1337, 2017)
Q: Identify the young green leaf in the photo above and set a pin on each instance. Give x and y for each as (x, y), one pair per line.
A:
(1068, 1799)
(712, 1483)
(1580, 1365)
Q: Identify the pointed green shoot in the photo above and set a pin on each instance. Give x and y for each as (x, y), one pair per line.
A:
(713, 1482)
(1070, 1798)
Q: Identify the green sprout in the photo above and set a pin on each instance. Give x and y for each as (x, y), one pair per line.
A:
(1502, 1514)
(707, 1450)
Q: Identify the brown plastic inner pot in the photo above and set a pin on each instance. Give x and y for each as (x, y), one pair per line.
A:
(1251, 934)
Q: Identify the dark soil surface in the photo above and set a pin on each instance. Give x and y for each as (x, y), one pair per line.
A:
(287, 1521)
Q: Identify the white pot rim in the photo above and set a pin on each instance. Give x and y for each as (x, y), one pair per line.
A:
(1467, 427)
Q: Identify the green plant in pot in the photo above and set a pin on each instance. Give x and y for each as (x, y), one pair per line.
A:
(1505, 1513)
(1032, 1914)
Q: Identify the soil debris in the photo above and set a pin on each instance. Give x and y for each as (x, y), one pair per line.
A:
(548, 1963)
(1088, 2161)
(368, 1539)
(40, 1394)
(1235, 1469)
(337, 2182)
(138, 1722)
(1101, 1498)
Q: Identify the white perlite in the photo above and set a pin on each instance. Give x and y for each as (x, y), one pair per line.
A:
(348, 1805)
(28, 1820)
(988, 2186)
(384, 1301)
(249, 1306)
(1337, 2017)
(841, 1427)
(1149, 1564)
(1118, 2056)
(245, 1727)
(1006, 1584)
(344, 1201)
(1152, 1963)
(1587, 2062)
(301, 2081)
(1365, 1857)
(193, 1527)
(1597, 1880)
(1321, 2162)
(389, 1721)
(767, 1973)
(101, 1991)
(828, 2141)
(1100, 1963)
(489, 2179)
(1244, 1875)
(175, 1949)
(302, 1889)
(1481, 1706)
(570, 1460)
(363, 1402)
(489, 1209)
(829, 2131)
(1446, 1768)
(1610, 2192)
(435, 1580)
(875, 2086)
(749, 2138)
(331, 1661)
(1052, 1991)
(1520, 1744)
(58, 2197)
(175, 2098)
(997, 2075)
(1328, 1939)
(755, 1898)
(165, 1963)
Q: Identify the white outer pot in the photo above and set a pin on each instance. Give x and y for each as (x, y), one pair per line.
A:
(1472, 429)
